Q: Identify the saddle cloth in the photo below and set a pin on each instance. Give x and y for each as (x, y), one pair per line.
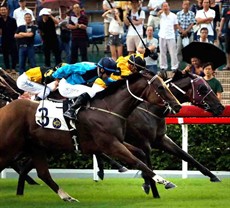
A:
(50, 115)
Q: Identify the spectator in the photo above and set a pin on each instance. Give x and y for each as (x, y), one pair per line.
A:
(107, 19)
(194, 8)
(186, 19)
(225, 27)
(46, 26)
(116, 31)
(64, 36)
(8, 26)
(211, 80)
(205, 18)
(12, 5)
(195, 67)
(25, 37)
(216, 21)
(154, 6)
(167, 41)
(137, 17)
(204, 35)
(20, 12)
(78, 24)
(37, 9)
(152, 44)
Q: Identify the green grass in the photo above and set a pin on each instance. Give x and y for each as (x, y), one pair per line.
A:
(122, 193)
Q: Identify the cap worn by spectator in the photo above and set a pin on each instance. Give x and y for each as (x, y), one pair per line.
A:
(45, 11)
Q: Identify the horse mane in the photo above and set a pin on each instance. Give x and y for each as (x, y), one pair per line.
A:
(114, 86)
(179, 75)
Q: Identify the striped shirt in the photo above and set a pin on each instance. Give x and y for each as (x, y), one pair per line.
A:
(79, 33)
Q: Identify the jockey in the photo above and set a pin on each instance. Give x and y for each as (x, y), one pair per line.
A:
(129, 64)
(75, 77)
(32, 81)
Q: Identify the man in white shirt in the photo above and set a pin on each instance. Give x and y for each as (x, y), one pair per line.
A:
(137, 17)
(205, 18)
(167, 37)
(154, 6)
(20, 12)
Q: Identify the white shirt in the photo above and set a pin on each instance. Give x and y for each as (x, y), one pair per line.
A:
(108, 18)
(154, 4)
(154, 42)
(114, 27)
(19, 15)
(139, 27)
(202, 14)
(167, 23)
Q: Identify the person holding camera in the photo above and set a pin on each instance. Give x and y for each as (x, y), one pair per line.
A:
(151, 55)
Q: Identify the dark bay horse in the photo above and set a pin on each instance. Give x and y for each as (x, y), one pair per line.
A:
(146, 127)
(96, 134)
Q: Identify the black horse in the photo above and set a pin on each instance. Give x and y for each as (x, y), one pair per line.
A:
(146, 127)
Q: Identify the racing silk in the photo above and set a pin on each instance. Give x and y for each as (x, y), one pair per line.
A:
(122, 63)
(36, 74)
(79, 73)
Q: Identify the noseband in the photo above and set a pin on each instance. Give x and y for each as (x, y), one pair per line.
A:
(197, 98)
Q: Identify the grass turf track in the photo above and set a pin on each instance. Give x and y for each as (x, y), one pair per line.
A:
(122, 193)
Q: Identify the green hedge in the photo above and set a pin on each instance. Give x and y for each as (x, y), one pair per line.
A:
(208, 144)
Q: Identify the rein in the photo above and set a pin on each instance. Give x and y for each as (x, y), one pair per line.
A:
(106, 111)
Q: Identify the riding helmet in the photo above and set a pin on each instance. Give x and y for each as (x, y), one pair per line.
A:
(109, 65)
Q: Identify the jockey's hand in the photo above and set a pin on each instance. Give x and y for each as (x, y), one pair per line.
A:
(48, 79)
(147, 52)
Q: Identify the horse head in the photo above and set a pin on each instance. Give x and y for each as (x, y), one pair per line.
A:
(159, 91)
(192, 88)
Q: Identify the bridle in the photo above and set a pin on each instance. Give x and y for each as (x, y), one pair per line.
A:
(197, 98)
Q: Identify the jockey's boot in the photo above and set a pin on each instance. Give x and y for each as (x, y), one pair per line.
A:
(81, 100)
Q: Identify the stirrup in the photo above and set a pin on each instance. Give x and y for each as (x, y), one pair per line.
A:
(70, 115)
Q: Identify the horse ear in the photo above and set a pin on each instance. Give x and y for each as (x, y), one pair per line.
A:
(177, 75)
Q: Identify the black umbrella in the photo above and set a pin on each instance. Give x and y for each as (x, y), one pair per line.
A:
(206, 52)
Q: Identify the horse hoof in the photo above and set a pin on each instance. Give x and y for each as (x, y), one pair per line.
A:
(122, 169)
(170, 185)
(100, 175)
(215, 179)
(70, 199)
(146, 188)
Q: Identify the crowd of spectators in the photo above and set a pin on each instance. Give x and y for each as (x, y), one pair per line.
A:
(67, 32)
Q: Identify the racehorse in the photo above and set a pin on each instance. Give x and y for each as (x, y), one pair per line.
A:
(187, 88)
(146, 127)
(96, 134)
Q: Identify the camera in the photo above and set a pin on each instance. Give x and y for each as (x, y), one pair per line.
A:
(153, 55)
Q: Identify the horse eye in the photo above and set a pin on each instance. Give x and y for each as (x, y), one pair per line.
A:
(203, 89)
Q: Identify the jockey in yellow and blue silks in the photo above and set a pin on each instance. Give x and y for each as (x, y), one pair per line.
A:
(74, 78)
(32, 81)
(129, 65)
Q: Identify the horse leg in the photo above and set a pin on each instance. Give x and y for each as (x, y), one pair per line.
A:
(100, 158)
(23, 176)
(119, 151)
(40, 162)
(165, 143)
(144, 155)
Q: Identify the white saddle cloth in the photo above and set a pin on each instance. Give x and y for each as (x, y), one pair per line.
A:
(50, 115)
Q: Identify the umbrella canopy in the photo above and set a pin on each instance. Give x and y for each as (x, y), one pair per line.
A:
(206, 52)
(55, 4)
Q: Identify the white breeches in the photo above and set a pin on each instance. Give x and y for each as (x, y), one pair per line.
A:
(72, 91)
(25, 84)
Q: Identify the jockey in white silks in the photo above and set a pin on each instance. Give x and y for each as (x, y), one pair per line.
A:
(75, 77)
